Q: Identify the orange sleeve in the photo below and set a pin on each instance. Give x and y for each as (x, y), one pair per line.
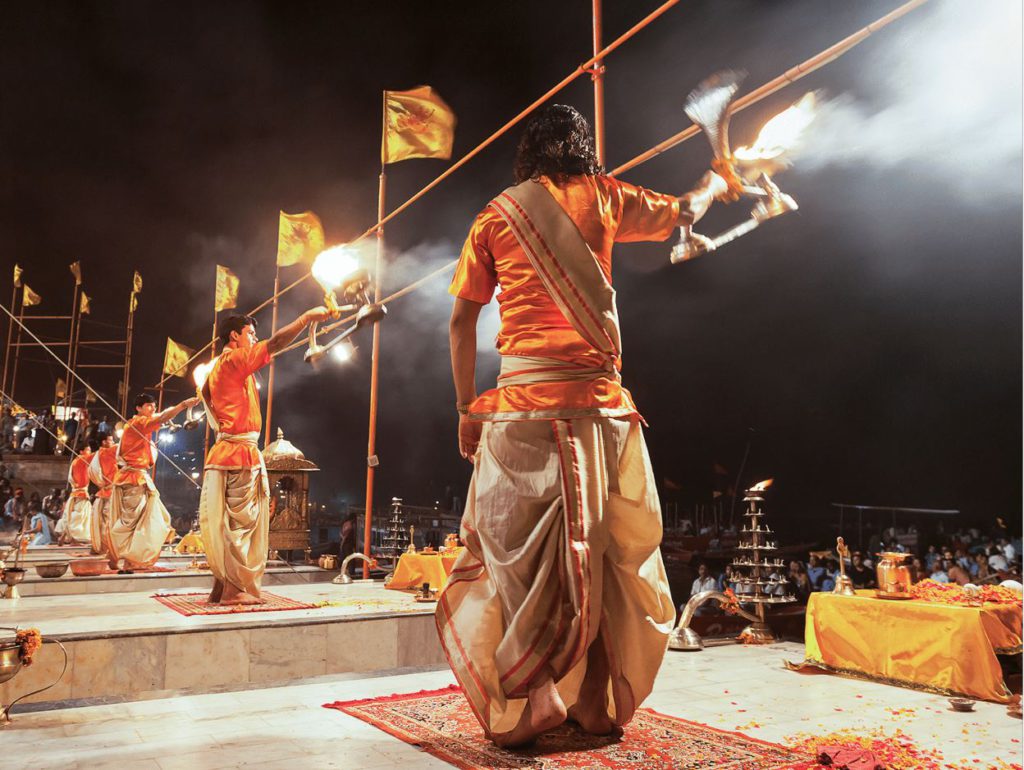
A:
(252, 359)
(475, 278)
(145, 424)
(646, 215)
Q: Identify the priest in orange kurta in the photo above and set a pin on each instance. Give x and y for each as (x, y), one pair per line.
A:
(234, 508)
(102, 470)
(559, 606)
(139, 522)
(78, 509)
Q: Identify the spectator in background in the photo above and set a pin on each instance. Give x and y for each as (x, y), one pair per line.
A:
(996, 561)
(815, 572)
(938, 574)
(917, 569)
(980, 571)
(704, 581)
(104, 427)
(930, 557)
(39, 529)
(1008, 550)
(15, 510)
(956, 573)
(828, 581)
(860, 575)
(798, 577)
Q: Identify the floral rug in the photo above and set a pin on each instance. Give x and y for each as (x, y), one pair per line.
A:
(440, 722)
(196, 604)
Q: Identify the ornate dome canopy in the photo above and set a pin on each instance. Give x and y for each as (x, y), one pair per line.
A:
(283, 455)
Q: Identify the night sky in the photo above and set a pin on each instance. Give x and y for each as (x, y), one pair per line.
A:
(870, 344)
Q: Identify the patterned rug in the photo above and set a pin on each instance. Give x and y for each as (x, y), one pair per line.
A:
(196, 604)
(440, 722)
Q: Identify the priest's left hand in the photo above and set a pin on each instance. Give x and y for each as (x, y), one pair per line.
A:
(469, 436)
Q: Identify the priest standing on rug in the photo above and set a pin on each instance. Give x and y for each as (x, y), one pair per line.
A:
(234, 508)
(139, 522)
(102, 470)
(559, 606)
(78, 509)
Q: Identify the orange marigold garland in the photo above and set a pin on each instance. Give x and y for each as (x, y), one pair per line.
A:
(951, 593)
(732, 606)
(30, 640)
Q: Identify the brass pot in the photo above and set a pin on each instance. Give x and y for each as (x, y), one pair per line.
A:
(328, 561)
(893, 575)
(10, 660)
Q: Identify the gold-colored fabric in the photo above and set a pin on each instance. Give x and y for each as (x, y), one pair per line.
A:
(919, 644)
(234, 519)
(415, 569)
(226, 296)
(17, 277)
(76, 270)
(300, 237)
(84, 306)
(139, 523)
(137, 283)
(78, 519)
(606, 211)
(562, 528)
(417, 124)
(99, 525)
(176, 358)
(29, 297)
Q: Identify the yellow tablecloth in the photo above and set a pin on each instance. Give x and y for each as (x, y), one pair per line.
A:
(415, 569)
(935, 647)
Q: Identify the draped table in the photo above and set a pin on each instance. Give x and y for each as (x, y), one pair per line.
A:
(415, 569)
(940, 648)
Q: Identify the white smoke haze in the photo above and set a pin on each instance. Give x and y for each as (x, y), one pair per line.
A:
(948, 98)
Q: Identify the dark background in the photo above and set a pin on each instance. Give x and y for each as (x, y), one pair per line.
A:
(871, 342)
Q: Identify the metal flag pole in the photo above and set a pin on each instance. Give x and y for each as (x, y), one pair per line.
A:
(17, 348)
(74, 350)
(371, 442)
(128, 352)
(597, 75)
(70, 386)
(270, 374)
(10, 333)
(213, 354)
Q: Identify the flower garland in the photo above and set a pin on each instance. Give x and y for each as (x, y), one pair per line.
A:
(30, 640)
(732, 606)
(951, 593)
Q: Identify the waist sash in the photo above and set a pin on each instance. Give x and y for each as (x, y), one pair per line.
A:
(527, 370)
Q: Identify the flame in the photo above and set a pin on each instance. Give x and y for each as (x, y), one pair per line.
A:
(761, 486)
(332, 266)
(200, 373)
(781, 132)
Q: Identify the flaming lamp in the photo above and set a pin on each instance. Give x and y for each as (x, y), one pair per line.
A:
(708, 107)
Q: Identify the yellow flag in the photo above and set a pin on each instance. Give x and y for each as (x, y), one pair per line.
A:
(83, 304)
(137, 283)
(61, 390)
(299, 237)
(176, 358)
(17, 276)
(417, 124)
(135, 302)
(76, 270)
(29, 297)
(227, 289)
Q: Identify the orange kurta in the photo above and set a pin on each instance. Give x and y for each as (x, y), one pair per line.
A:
(606, 211)
(235, 403)
(108, 465)
(80, 476)
(136, 450)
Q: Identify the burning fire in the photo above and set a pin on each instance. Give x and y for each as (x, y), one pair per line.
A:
(200, 373)
(761, 486)
(332, 266)
(781, 132)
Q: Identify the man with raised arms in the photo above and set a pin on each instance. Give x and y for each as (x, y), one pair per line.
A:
(234, 508)
(139, 522)
(559, 606)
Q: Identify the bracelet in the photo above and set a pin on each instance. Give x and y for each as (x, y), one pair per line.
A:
(462, 408)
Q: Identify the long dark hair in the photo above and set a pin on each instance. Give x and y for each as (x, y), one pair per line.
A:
(557, 143)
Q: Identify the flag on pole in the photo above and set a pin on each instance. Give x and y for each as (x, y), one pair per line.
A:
(135, 302)
(76, 270)
(299, 237)
(90, 396)
(83, 304)
(176, 358)
(227, 289)
(29, 297)
(61, 390)
(17, 276)
(137, 283)
(417, 124)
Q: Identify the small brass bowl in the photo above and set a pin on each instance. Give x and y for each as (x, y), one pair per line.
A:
(88, 567)
(962, 704)
(10, 660)
(53, 569)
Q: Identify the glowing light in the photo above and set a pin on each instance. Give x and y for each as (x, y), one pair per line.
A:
(332, 266)
(761, 486)
(200, 373)
(119, 432)
(195, 474)
(166, 438)
(781, 132)
(343, 351)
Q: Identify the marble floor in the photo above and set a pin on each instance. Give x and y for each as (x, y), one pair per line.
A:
(730, 687)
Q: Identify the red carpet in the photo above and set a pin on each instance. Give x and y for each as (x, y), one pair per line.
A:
(196, 604)
(441, 723)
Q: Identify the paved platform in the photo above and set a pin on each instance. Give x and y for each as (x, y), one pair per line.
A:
(731, 688)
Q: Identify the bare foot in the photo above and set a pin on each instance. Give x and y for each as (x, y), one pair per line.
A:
(243, 598)
(544, 711)
(590, 711)
(218, 589)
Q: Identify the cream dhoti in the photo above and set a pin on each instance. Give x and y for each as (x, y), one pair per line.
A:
(139, 522)
(78, 516)
(562, 528)
(234, 517)
(99, 530)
